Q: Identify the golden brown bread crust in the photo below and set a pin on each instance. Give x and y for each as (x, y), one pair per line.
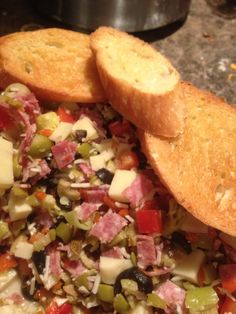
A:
(199, 167)
(56, 64)
(139, 82)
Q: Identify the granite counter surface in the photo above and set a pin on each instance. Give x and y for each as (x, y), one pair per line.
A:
(203, 47)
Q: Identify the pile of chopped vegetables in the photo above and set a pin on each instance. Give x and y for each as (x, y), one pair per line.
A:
(87, 226)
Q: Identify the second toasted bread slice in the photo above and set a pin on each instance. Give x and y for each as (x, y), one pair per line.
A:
(139, 82)
(199, 167)
(57, 65)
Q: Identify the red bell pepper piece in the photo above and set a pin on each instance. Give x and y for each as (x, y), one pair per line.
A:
(6, 121)
(65, 115)
(149, 221)
(7, 261)
(53, 308)
(119, 128)
(228, 277)
(127, 160)
(228, 306)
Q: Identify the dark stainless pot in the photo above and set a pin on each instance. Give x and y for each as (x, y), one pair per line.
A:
(127, 15)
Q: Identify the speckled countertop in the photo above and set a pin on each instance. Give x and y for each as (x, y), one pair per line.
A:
(203, 48)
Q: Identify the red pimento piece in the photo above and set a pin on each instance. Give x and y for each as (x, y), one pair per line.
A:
(127, 160)
(40, 195)
(120, 128)
(6, 121)
(45, 132)
(53, 308)
(228, 277)
(123, 212)
(7, 261)
(149, 221)
(228, 306)
(23, 266)
(110, 203)
(65, 115)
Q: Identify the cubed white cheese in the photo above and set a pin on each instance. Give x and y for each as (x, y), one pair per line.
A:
(11, 309)
(49, 281)
(189, 266)
(111, 267)
(6, 162)
(141, 309)
(97, 162)
(106, 147)
(61, 132)
(6, 278)
(86, 124)
(24, 250)
(19, 209)
(108, 154)
(121, 180)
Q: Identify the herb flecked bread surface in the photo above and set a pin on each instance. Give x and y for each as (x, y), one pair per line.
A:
(199, 167)
(56, 64)
(139, 82)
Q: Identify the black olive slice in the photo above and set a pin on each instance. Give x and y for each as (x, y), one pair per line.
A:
(39, 259)
(105, 175)
(145, 284)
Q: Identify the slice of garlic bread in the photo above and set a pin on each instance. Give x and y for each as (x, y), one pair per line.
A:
(199, 167)
(56, 64)
(139, 82)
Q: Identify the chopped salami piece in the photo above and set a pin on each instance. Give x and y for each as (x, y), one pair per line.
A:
(64, 153)
(30, 130)
(171, 293)
(114, 252)
(15, 298)
(139, 188)
(44, 219)
(85, 210)
(75, 268)
(146, 251)
(31, 106)
(27, 116)
(93, 195)
(45, 170)
(86, 169)
(108, 227)
(55, 263)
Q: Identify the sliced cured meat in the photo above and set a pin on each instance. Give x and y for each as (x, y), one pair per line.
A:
(85, 210)
(139, 188)
(86, 169)
(171, 293)
(93, 195)
(55, 263)
(108, 227)
(75, 268)
(114, 252)
(64, 153)
(146, 251)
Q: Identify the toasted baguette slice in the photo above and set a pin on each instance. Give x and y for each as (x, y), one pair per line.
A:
(139, 82)
(199, 167)
(57, 64)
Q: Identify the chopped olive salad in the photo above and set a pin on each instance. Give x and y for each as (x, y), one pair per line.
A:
(87, 227)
